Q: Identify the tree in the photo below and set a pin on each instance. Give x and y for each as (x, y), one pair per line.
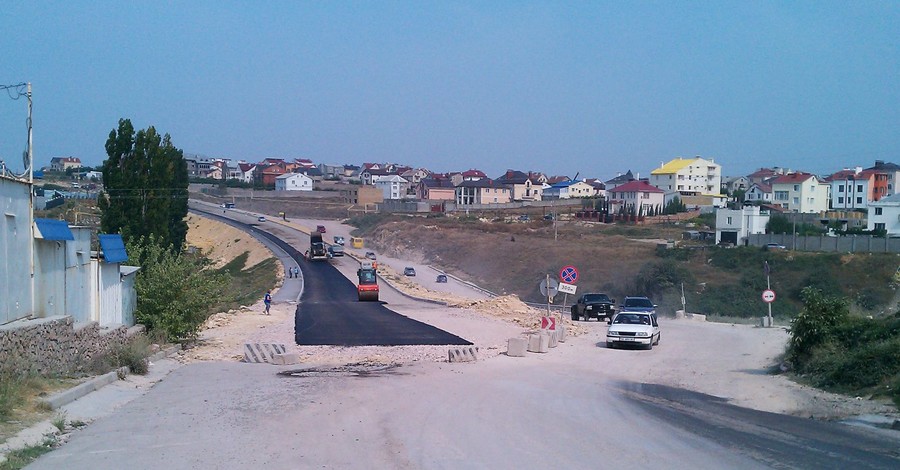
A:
(173, 288)
(145, 186)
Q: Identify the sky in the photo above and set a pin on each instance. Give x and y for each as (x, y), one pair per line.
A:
(594, 88)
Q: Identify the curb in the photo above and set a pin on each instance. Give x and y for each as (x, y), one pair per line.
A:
(65, 397)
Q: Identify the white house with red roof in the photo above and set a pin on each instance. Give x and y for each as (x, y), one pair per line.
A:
(637, 194)
(852, 189)
(473, 175)
(759, 192)
(800, 192)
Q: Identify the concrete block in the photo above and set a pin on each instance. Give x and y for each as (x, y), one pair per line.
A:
(561, 332)
(285, 359)
(262, 352)
(765, 323)
(516, 347)
(679, 314)
(539, 343)
(698, 317)
(466, 354)
(554, 339)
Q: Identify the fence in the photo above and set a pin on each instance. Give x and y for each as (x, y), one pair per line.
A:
(845, 244)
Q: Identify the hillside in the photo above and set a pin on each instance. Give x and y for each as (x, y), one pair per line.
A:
(513, 257)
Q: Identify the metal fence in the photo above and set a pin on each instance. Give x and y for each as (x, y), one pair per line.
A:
(844, 244)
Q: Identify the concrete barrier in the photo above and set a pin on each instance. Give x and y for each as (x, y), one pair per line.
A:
(262, 352)
(539, 343)
(561, 332)
(285, 359)
(554, 339)
(698, 317)
(467, 354)
(516, 347)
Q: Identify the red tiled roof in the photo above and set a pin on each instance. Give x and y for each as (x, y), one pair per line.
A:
(637, 187)
(792, 178)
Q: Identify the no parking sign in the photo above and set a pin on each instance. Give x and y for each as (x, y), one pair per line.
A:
(568, 274)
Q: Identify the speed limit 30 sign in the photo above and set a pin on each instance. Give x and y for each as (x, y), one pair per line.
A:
(768, 296)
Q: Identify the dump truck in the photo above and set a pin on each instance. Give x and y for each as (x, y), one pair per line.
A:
(317, 249)
(367, 288)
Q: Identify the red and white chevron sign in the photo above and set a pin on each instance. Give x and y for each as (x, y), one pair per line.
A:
(548, 323)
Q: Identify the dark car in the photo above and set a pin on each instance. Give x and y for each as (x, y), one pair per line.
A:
(336, 250)
(593, 305)
(638, 304)
(370, 255)
(409, 271)
(442, 278)
(320, 228)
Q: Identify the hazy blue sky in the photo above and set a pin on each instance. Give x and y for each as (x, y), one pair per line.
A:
(561, 87)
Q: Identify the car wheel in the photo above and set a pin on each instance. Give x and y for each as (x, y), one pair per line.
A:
(650, 346)
(658, 337)
(574, 316)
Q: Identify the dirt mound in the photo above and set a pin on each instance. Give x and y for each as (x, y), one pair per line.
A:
(223, 243)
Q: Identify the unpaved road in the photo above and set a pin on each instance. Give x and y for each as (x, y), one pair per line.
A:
(580, 406)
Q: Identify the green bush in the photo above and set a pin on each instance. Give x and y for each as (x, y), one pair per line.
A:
(815, 324)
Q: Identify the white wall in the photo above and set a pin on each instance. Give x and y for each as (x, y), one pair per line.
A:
(16, 250)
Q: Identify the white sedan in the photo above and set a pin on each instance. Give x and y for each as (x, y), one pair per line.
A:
(633, 328)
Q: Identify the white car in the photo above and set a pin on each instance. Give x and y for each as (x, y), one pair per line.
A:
(633, 328)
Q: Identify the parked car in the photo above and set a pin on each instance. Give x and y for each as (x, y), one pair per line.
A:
(524, 218)
(774, 246)
(593, 305)
(370, 255)
(336, 250)
(320, 228)
(442, 278)
(261, 218)
(228, 205)
(409, 271)
(339, 240)
(633, 328)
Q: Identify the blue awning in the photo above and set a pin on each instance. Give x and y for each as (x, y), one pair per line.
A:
(113, 248)
(51, 229)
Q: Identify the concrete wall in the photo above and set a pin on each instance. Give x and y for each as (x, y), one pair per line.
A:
(49, 278)
(857, 244)
(16, 251)
(56, 344)
(78, 275)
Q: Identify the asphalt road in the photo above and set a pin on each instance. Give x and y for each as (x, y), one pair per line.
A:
(328, 312)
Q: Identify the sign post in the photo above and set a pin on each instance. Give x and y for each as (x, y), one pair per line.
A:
(768, 294)
(568, 274)
(549, 288)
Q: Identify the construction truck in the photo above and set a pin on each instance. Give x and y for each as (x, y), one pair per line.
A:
(317, 249)
(368, 282)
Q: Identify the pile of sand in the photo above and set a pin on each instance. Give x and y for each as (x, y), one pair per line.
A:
(222, 243)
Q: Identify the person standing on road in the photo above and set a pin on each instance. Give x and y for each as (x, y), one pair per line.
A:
(296, 272)
(268, 301)
(290, 272)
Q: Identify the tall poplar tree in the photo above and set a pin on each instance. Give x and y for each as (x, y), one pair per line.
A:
(145, 186)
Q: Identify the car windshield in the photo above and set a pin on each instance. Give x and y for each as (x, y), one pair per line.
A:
(642, 302)
(632, 319)
(366, 277)
(596, 298)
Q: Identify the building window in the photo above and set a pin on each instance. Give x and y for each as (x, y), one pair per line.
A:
(840, 200)
(796, 187)
(879, 226)
(840, 188)
(859, 200)
(877, 211)
(781, 195)
(859, 188)
(729, 222)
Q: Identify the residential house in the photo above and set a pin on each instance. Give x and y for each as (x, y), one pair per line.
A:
(735, 183)
(521, 186)
(688, 177)
(293, 182)
(64, 163)
(621, 179)
(568, 190)
(266, 174)
(360, 195)
(557, 179)
(736, 226)
(764, 174)
(198, 166)
(16, 288)
(245, 172)
(852, 189)
(637, 195)
(800, 192)
(415, 175)
(884, 214)
(887, 177)
(392, 186)
(759, 193)
(481, 191)
(473, 175)
(369, 175)
(331, 171)
(305, 163)
(351, 171)
(599, 187)
(436, 189)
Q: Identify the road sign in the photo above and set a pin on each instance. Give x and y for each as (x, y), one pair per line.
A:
(567, 288)
(768, 296)
(568, 274)
(549, 289)
(548, 323)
